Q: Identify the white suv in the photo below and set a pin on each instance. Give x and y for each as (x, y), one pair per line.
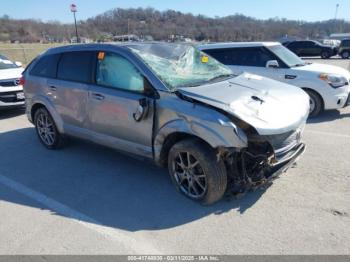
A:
(327, 86)
(11, 90)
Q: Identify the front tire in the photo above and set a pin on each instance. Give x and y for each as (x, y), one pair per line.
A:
(316, 104)
(46, 129)
(325, 55)
(196, 171)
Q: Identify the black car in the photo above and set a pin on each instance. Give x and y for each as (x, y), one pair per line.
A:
(311, 48)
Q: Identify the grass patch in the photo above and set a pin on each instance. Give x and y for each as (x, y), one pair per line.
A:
(24, 53)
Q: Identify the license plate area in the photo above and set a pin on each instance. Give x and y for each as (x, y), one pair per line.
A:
(20, 96)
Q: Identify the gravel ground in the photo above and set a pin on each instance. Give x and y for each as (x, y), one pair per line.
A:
(86, 199)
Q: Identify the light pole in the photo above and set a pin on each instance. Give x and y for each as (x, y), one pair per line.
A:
(128, 30)
(73, 9)
(336, 12)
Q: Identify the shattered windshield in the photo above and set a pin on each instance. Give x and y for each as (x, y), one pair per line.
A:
(181, 65)
(6, 64)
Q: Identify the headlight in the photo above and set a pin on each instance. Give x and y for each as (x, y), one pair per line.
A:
(334, 80)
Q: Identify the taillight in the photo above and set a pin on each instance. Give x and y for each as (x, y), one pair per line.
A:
(22, 81)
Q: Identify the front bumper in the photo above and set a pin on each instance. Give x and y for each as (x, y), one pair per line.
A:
(243, 180)
(284, 164)
(11, 99)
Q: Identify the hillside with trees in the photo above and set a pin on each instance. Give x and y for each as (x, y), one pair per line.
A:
(161, 25)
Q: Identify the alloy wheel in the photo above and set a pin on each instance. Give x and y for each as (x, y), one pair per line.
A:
(312, 105)
(46, 129)
(189, 175)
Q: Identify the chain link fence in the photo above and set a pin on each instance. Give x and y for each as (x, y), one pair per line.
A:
(23, 53)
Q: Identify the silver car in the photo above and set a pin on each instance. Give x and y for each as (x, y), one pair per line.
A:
(216, 132)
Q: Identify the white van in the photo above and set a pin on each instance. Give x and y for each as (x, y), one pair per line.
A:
(328, 86)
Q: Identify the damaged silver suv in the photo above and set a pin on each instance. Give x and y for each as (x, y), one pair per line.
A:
(215, 131)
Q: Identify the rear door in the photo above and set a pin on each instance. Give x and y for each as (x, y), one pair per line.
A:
(120, 110)
(249, 59)
(69, 91)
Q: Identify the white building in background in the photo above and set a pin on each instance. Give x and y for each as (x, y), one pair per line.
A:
(340, 36)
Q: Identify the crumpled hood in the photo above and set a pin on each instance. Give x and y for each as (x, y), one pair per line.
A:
(271, 107)
(11, 73)
(322, 68)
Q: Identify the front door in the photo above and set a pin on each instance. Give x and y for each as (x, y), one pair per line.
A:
(120, 112)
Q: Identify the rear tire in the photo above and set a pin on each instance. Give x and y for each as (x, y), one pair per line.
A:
(46, 129)
(316, 104)
(196, 171)
(325, 55)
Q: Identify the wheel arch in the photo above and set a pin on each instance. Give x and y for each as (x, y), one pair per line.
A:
(41, 102)
(315, 92)
(170, 141)
(218, 135)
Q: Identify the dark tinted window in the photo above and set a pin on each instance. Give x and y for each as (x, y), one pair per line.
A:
(76, 66)
(294, 45)
(250, 56)
(346, 43)
(308, 44)
(46, 66)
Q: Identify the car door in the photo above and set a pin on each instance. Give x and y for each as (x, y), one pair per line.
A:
(310, 49)
(295, 47)
(120, 106)
(69, 91)
(252, 60)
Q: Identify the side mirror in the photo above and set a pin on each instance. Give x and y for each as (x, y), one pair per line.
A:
(272, 64)
(19, 64)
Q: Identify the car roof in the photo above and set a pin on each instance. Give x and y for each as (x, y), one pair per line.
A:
(110, 45)
(236, 45)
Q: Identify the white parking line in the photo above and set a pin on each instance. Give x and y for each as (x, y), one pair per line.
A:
(327, 133)
(137, 246)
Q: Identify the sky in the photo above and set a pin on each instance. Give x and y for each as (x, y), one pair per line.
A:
(308, 10)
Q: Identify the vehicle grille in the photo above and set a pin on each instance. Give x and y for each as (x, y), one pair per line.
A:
(282, 143)
(10, 97)
(9, 82)
(286, 140)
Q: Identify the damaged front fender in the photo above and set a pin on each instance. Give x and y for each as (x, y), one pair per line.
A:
(198, 121)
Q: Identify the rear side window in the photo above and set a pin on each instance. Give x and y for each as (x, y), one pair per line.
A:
(76, 66)
(250, 56)
(46, 66)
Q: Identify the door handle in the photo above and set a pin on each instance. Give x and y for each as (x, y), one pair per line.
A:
(53, 88)
(98, 96)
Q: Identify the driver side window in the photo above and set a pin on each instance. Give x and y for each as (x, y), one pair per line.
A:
(117, 72)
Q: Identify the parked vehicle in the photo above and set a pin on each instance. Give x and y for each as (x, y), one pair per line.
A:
(344, 49)
(171, 103)
(327, 86)
(11, 90)
(310, 48)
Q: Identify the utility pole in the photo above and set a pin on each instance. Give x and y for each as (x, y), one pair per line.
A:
(128, 30)
(73, 9)
(336, 12)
